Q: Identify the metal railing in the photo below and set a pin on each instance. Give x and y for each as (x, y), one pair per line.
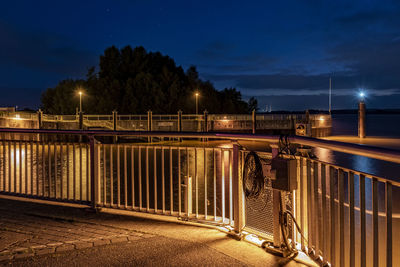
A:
(341, 212)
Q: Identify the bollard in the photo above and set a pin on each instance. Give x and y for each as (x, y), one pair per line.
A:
(254, 121)
(361, 120)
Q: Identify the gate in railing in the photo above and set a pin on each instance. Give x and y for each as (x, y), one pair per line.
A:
(346, 217)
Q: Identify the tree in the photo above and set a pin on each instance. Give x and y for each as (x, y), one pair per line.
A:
(253, 104)
(133, 81)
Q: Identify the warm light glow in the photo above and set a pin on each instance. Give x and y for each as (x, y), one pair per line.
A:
(80, 92)
(197, 94)
(17, 117)
(321, 118)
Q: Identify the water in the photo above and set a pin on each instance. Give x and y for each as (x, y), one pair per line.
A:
(377, 125)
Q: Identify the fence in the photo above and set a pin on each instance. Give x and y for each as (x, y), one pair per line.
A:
(341, 212)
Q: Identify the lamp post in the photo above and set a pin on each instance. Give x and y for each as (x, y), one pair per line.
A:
(197, 103)
(80, 101)
(361, 116)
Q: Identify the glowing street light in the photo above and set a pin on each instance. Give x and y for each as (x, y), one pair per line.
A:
(197, 103)
(361, 95)
(80, 101)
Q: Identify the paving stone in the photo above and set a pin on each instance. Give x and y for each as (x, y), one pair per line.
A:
(24, 255)
(43, 251)
(56, 244)
(133, 238)
(101, 242)
(119, 239)
(36, 247)
(65, 247)
(6, 257)
(147, 235)
(82, 245)
(20, 250)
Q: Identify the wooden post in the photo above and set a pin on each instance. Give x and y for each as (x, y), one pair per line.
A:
(361, 120)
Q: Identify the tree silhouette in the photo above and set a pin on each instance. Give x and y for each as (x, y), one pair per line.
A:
(133, 81)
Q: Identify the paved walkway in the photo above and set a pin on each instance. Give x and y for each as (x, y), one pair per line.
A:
(37, 234)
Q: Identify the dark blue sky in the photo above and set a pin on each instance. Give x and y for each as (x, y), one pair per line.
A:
(282, 52)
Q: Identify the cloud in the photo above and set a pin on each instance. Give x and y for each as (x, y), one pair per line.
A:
(47, 52)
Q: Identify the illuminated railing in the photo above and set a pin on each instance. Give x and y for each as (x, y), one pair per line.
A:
(341, 212)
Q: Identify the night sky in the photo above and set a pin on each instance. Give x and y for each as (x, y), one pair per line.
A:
(282, 52)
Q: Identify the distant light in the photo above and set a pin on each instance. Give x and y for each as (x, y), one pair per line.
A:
(17, 117)
(197, 94)
(80, 92)
(321, 118)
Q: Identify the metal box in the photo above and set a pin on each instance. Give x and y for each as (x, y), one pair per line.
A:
(285, 174)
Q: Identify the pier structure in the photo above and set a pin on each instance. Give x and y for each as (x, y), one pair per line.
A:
(317, 125)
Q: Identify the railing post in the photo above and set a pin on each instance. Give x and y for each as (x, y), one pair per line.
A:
(205, 128)
(179, 123)
(276, 197)
(254, 121)
(115, 120)
(361, 120)
(149, 123)
(94, 172)
(40, 119)
(80, 120)
(238, 198)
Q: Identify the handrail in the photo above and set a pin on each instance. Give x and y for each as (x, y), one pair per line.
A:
(356, 149)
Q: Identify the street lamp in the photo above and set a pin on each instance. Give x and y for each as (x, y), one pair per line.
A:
(197, 103)
(80, 101)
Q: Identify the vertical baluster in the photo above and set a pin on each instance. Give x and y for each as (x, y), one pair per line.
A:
(111, 177)
(43, 170)
(74, 170)
(104, 175)
(55, 170)
(362, 221)
(20, 166)
(49, 168)
(37, 168)
(375, 227)
(230, 188)
(309, 205)
(147, 181)
(125, 179)
(188, 195)
(215, 184)
(67, 148)
(351, 218)
(197, 183)
(179, 183)
(4, 165)
(333, 214)
(61, 171)
(316, 210)
(341, 215)
(97, 168)
(118, 177)
(205, 184)
(133, 175)
(9, 167)
(80, 173)
(171, 185)
(223, 185)
(163, 179)
(140, 177)
(155, 177)
(26, 168)
(389, 242)
(303, 195)
(324, 211)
